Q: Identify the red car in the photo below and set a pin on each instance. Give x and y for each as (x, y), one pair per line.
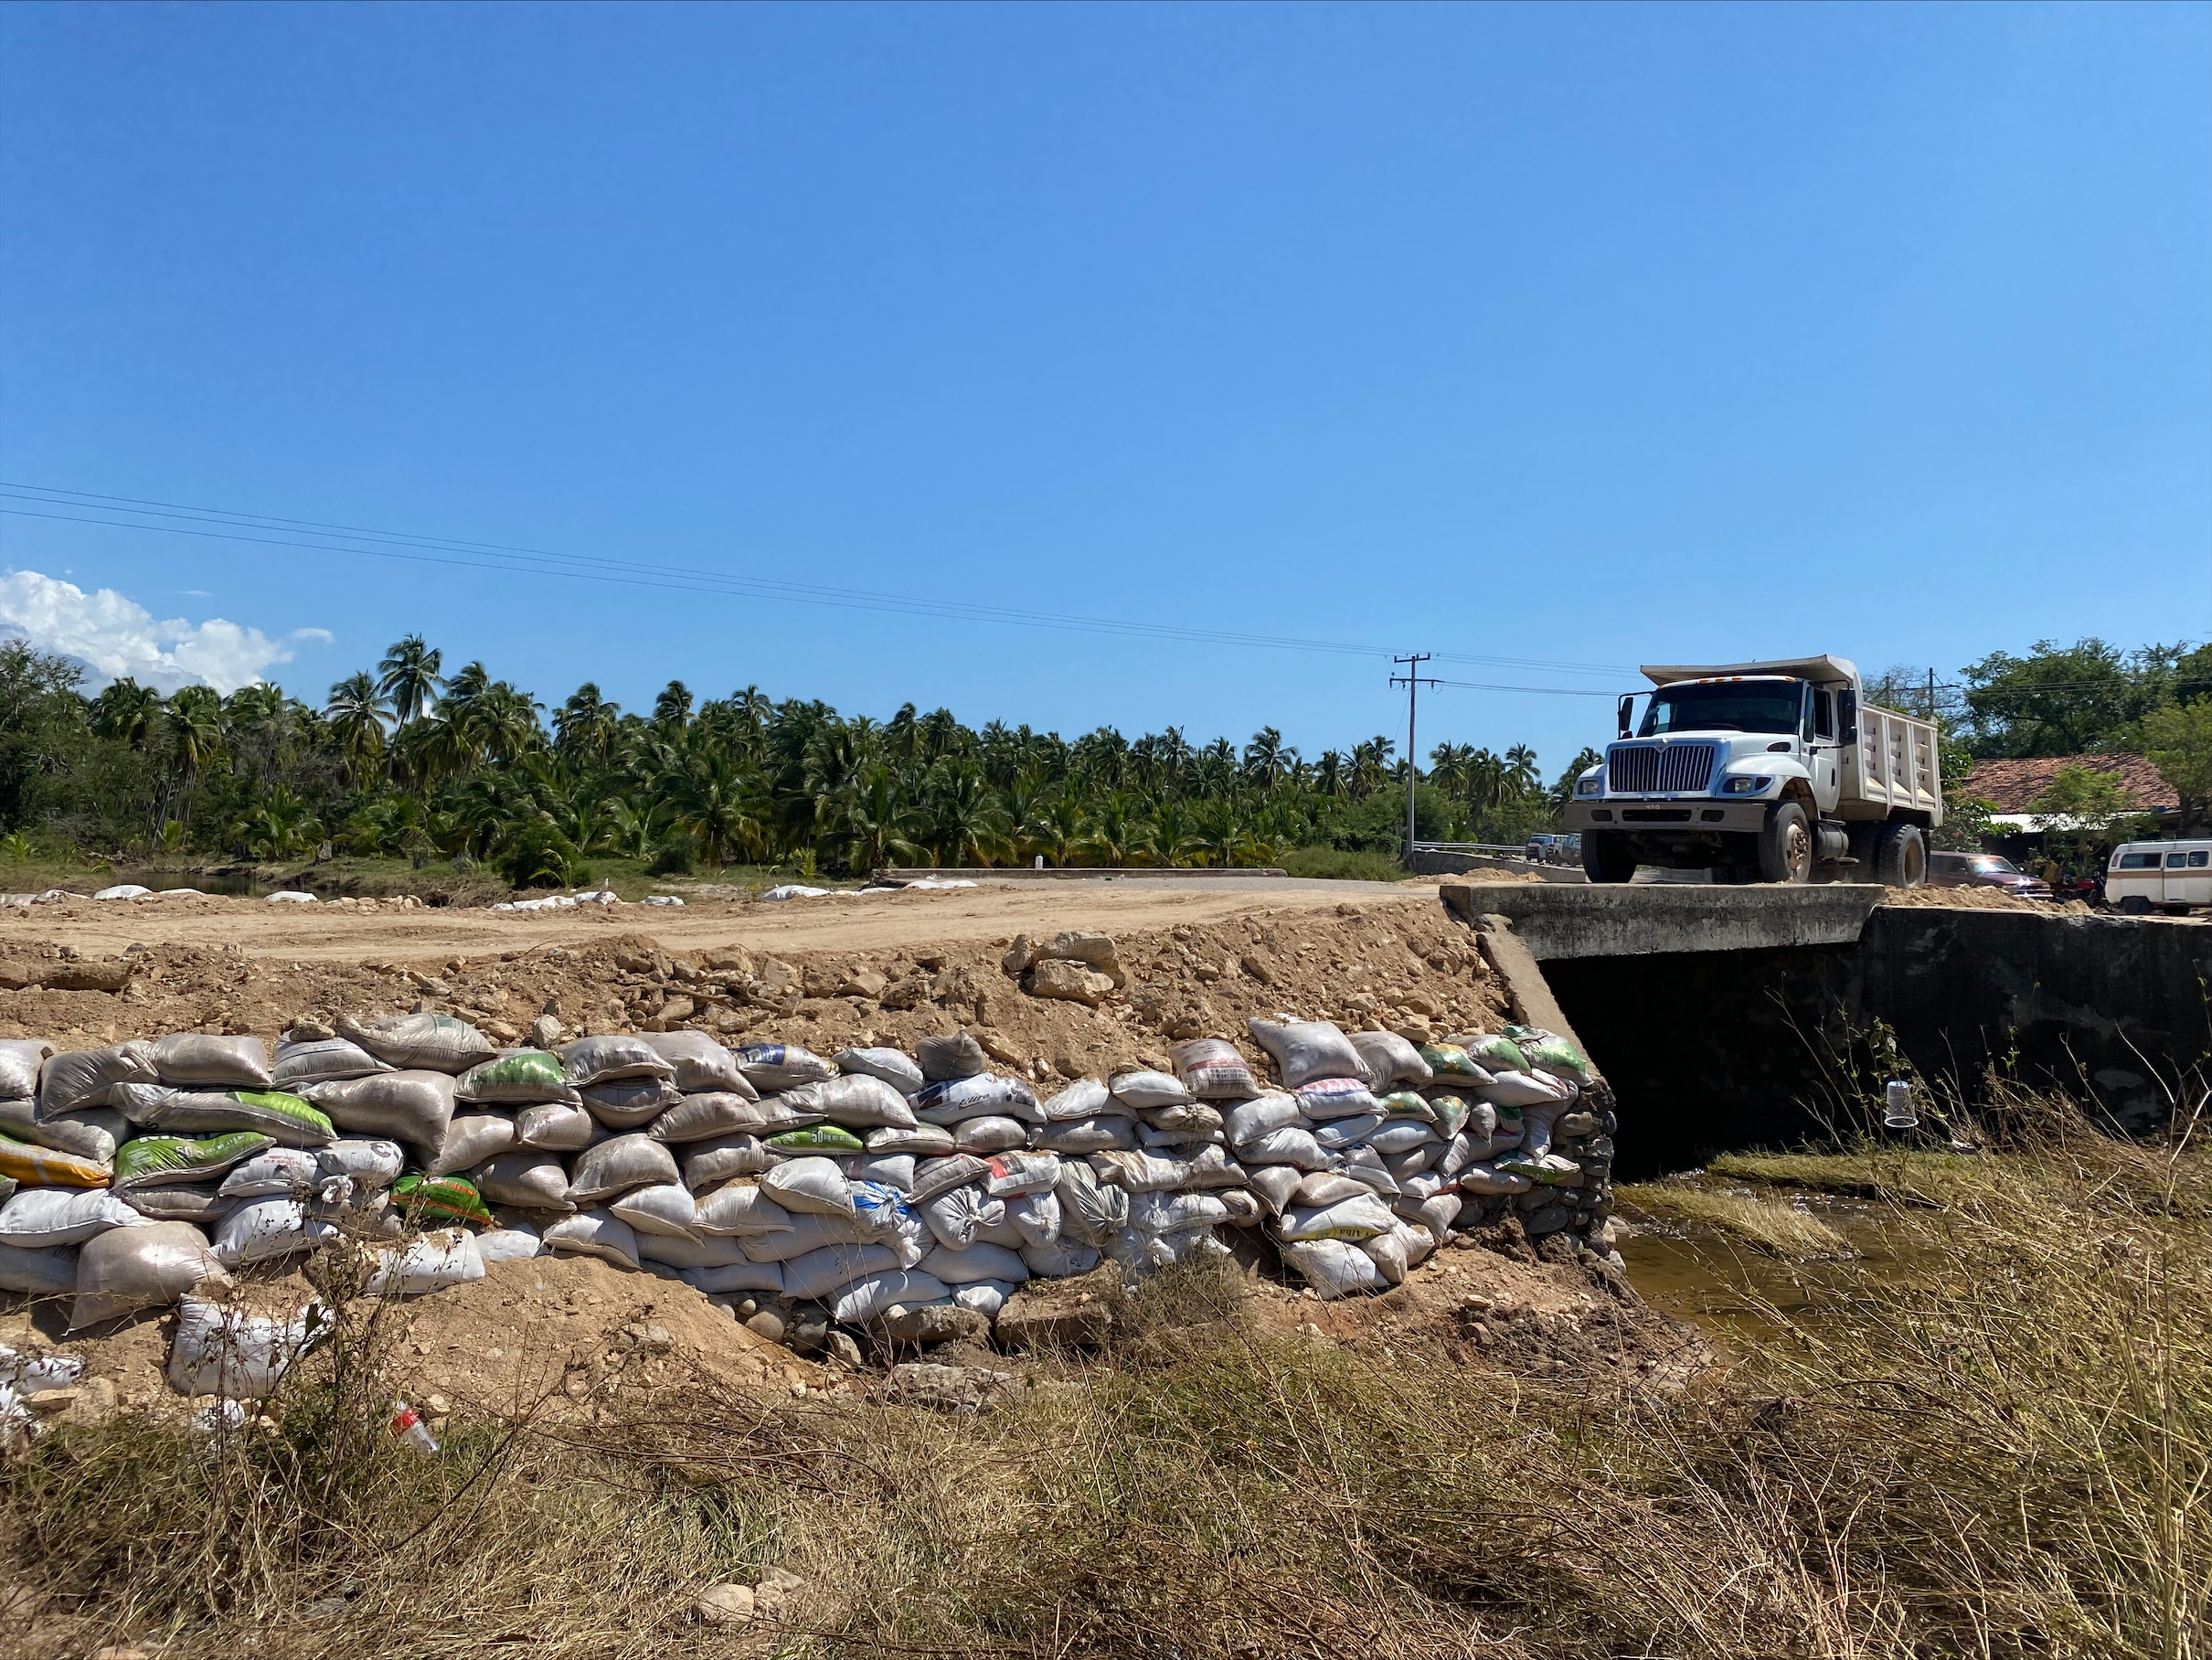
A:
(1983, 870)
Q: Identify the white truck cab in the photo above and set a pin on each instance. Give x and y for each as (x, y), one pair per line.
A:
(1761, 772)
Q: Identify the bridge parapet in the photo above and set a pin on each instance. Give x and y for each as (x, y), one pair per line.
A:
(1562, 920)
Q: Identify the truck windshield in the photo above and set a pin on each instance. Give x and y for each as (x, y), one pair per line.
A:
(1723, 705)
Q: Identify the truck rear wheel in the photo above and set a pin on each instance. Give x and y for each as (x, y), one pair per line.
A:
(1785, 845)
(1900, 856)
(1606, 857)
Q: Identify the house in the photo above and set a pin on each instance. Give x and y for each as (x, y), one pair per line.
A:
(2012, 786)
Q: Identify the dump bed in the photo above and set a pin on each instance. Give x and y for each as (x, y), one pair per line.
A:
(1895, 765)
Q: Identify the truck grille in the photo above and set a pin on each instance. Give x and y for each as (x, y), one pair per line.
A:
(1649, 770)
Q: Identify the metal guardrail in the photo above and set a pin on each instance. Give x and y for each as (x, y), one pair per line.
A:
(1516, 849)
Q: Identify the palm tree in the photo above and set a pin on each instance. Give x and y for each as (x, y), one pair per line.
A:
(1175, 838)
(409, 676)
(877, 823)
(583, 730)
(1266, 759)
(965, 822)
(1521, 767)
(194, 728)
(672, 706)
(716, 802)
(1448, 765)
(127, 712)
(1118, 833)
(1061, 826)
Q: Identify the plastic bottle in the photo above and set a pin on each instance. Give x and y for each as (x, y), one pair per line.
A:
(408, 1425)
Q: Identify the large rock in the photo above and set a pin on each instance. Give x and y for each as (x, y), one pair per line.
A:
(1069, 982)
(1054, 1316)
(728, 1603)
(947, 1389)
(934, 1323)
(1092, 949)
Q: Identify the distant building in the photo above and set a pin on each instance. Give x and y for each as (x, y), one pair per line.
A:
(2015, 785)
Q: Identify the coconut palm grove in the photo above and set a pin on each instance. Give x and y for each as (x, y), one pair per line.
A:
(409, 761)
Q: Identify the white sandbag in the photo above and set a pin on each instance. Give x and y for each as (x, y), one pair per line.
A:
(1244, 1207)
(936, 1176)
(813, 1186)
(203, 1060)
(892, 1169)
(1364, 1164)
(322, 1061)
(1104, 1134)
(421, 1042)
(509, 1245)
(989, 1133)
(592, 1060)
(227, 1352)
(450, 1256)
(714, 1113)
(1212, 1068)
(21, 1060)
(618, 1164)
(1274, 1184)
(554, 1126)
(1084, 1098)
(977, 1262)
(735, 1277)
(809, 1232)
(470, 1140)
(370, 1165)
(819, 1273)
(1388, 1252)
(707, 1165)
(1212, 1166)
(1405, 1165)
(629, 1103)
(1402, 1136)
(199, 1204)
(39, 1219)
(75, 1079)
(414, 1105)
(1390, 1060)
(983, 1094)
(740, 1209)
(923, 1141)
(1419, 1240)
(279, 1173)
(1191, 1119)
(1289, 1145)
(1140, 1172)
(1014, 1173)
(664, 1207)
(1144, 1089)
(1035, 1217)
(995, 1229)
(1338, 1133)
(684, 1251)
(593, 1233)
(1334, 1269)
(528, 1180)
(856, 1100)
(127, 1269)
(1248, 1120)
(1328, 1098)
(1353, 1218)
(1170, 1212)
(1304, 1051)
(1060, 1258)
(957, 1217)
(89, 1133)
(700, 1063)
(893, 1066)
(986, 1297)
(1319, 1187)
(49, 1271)
(1524, 1090)
(772, 1067)
(262, 1230)
(878, 1209)
(873, 1295)
(1090, 1210)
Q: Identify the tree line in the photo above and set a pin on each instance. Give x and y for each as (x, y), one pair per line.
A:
(408, 760)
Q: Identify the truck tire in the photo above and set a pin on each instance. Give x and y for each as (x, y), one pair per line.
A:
(1900, 856)
(1785, 845)
(1864, 837)
(1606, 857)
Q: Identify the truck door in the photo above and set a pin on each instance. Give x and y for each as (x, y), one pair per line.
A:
(1823, 754)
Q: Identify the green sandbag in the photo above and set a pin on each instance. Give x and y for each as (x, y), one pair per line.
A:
(525, 1078)
(1450, 1115)
(1558, 1057)
(1500, 1054)
(164, 1161)
(453, 1197)
(288, 1120)
(817, 1138)
(1405, 1103)
(1448, 1060)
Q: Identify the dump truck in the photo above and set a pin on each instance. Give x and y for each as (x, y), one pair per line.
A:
(1761, 773)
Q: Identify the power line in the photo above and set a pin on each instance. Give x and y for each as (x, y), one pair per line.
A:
(322, 537)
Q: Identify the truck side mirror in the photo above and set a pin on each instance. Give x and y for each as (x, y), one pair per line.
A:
(1626, 713)
(1846, 716)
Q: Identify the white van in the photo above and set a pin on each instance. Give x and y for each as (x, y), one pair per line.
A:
(2170, 875)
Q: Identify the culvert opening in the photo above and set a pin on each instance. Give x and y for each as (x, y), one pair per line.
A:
(1712, 1051)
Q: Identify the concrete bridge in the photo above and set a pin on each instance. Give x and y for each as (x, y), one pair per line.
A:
(1729, 1017)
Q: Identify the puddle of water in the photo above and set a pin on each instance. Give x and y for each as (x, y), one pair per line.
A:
(207, 881)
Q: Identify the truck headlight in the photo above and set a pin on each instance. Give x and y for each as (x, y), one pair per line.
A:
(1594, 785)
(1745, 785)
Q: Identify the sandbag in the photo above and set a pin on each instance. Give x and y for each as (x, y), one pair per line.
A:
(554, 1126)
(280, 1172)
(740, 1209)
(892, 1169)
(1275, 1184)
(1170, 1212)
(707, 1165)
(812, 1186)
(21, 1060)
(1402, 1136)
(1451, 1113)
(432, 1262)
(773, 1067)
(1454, 1067)
(977, 1095)
(593, 1060)
(1015, 1173)
(89, 1133)
(445, 1198)
(1388, 1252)
(618, 1164)
(1364, 1164)
(1436, 1213)
(952, 1055)
(1523, 1090)
(629, 1103)
(956, 1217)
(1084, 1098)
(1548, 1053)
(1213, 1069)
(39, 1219)
(1289, 1145)
(202, 1060)
(1405, 1103)
(700, 1063)
(284, 1118)
(1390, 1060)
(421, 1042)
(925, 1140)
(45, 1272)
(1145, 1089)
(262, 1230)
(1140, 1172)
(1320, 1187)
(593, 1233)
(808, 1232)
(322, 1060)
(369, 1164)
(819, 1273)
(988, 1134)
(1244, 1207)
(832, 1139)
(1249, 1120)
(508, 1245)
(127, 1269)
(1304, 1051)
(1545, 1170)
(75, 1079)
(936, 1176)
(201, 1204)
(1089, 1135)
(48, 1166)
(1035, 1217)
(1488, 1180)
(856, 1100)
(162, 1161)
(411, 1106)
(1328, 1098)
(986, 1297)
(892, 1066)
(1351, 1219)
(686, 1251)
(520, 1078)
(225, 1351)
(1334, 1268)
(1495, 1052)
(705, 1116)
(1060, 1258)
(529, 1180)
(735, 1277)
(664, 1207)
(977, 1261)
(875, 1294)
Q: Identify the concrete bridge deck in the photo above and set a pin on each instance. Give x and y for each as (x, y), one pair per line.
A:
(1560, 920)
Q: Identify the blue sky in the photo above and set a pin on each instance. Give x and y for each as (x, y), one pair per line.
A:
(1596, 336)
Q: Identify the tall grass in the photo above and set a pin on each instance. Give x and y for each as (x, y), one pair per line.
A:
(2005, 1454)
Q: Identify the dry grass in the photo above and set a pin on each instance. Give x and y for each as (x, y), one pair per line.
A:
(1768, 1224)
(1904, 1174)
(2007, 1457)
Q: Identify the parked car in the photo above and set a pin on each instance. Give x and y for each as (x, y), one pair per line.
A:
(1983, 870)
(1566, 849)
(2172, 876)
(1538, 850)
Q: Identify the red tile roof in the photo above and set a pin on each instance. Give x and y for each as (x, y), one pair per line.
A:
(2014, 785)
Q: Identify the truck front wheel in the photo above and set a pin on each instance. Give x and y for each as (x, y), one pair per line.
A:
(1785, 845)
(1900, 856)
(1606, 857)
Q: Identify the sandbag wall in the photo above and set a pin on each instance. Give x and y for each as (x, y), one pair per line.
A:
(871, 1181)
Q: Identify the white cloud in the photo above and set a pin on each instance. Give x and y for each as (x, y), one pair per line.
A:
(113, 636)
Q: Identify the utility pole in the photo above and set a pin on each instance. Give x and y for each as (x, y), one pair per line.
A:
(1931, 693)
(1412, 681)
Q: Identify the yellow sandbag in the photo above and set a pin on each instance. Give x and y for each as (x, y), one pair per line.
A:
(46, 1168)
